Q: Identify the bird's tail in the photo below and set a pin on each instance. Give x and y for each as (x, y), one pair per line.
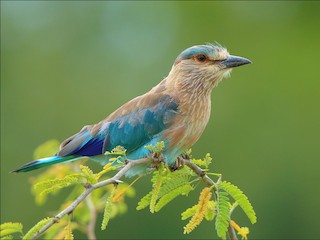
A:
(44, 162)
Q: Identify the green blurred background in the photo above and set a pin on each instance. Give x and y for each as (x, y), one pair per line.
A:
(68, 64)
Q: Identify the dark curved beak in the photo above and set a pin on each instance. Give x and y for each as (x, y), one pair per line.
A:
(234, 61)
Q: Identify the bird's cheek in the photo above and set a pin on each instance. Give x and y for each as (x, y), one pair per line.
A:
(215, 68)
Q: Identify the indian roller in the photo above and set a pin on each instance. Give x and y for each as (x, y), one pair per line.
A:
(176, 111)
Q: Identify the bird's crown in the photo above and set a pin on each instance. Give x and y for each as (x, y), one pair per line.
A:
(202, 52)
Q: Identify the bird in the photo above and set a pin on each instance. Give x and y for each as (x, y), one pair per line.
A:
(175, 111)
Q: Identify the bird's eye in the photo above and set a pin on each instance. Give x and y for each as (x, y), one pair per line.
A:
(201, 58)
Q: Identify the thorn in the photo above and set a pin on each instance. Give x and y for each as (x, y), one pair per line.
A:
(117, 181)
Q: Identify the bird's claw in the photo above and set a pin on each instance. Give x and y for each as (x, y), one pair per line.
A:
(179, 164)
(185, 156)
(157, 158)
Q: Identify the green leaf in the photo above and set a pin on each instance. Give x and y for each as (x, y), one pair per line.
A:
(144, 202)
(170, 182)
(107, 210)
(174, 180)
(8, 237)
(156, 186)
(223, 214)
(241, 199)
(211, 211)
(9, 228)
(47, 186)
(189, 212)
(117, 151)
(208, 159)
(68, 232)
(187, 152)
(205, 162)
(30, 234)
(88, 174)
(165, 199)
(157, 148)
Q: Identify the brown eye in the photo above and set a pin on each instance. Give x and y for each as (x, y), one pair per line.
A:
(201, 58)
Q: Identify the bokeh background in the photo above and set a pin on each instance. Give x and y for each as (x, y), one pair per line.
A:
(65, 64)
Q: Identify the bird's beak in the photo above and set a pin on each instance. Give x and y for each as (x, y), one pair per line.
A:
(234, 61)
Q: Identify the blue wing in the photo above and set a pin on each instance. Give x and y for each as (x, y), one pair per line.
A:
(131, 131)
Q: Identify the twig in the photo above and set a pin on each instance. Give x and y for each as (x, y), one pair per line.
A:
(201, 173)
(92, 223)
(232, 233)
(114, 180)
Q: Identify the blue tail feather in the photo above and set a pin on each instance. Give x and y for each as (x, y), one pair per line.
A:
(44, 162)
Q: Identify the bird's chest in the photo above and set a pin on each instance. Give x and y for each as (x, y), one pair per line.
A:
(196, 119)
(189, 124)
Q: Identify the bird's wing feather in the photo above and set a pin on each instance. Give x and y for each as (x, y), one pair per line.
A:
(138, 128)
(131, 130)
(74, 143)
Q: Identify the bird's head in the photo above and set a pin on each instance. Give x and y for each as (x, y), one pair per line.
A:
(204, 65)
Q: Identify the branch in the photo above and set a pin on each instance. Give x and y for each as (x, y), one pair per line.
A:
(92, 224)
(232, 233)
(116, 180)
(201, 173)
(89, 188)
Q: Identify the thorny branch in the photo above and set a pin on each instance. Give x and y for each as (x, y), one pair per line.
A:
(116, 180)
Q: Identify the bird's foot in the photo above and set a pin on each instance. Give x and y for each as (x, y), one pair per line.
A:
(185, 156)
(179, 164)
(157, 158)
